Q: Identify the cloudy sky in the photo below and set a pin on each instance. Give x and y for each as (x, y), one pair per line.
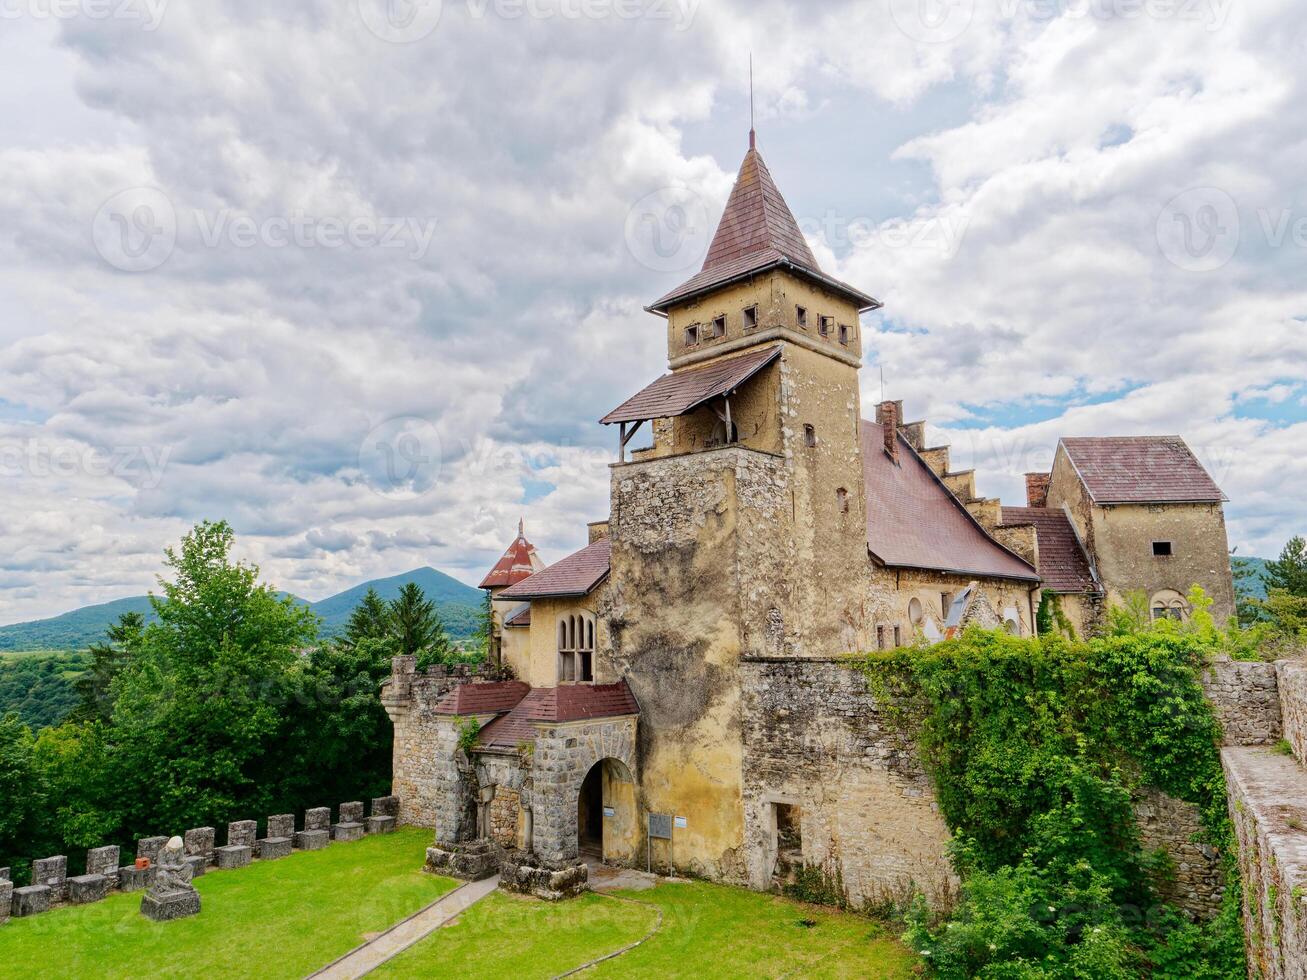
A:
(359, 276)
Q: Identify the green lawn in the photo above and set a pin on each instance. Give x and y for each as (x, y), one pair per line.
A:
(706, 930)
(281, 918)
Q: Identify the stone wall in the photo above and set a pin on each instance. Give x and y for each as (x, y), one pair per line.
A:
(1291, 682)
(420, 766)
(1198, 881)
(816, 739)
(1245, 698)
(1268, 804)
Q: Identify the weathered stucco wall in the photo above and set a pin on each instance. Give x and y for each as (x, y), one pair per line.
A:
(892, 592)
(815, 738)
(541, 667)
(1245, 699)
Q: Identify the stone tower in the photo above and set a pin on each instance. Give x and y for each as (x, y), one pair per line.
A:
(741, 529)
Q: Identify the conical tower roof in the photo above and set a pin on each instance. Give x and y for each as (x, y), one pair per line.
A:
(520, 561)
(757, 232)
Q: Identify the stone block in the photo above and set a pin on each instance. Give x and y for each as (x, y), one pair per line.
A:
(351, 812)
(200, 841)
(234, 856)
(271, 848)
(526, 874)
(312, 840)
(149, 847)
(347, 831)
(198, 864)
(385, 806)
(104, 861)
(32, 900)
(52, 872)
(6, 899)
(319, 818)
(170, 906)
(242, 833)
(381, 825)
(282, 825)
(85, 889)
(133, 879)
(471, 861)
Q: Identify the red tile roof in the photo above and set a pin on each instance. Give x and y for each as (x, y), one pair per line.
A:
(684, 391)
(757, 232)
(568, 702)
(483, 699)
(576, 575)
(1063, 564)
(1140, 470)
(518, 562)
(913, 521)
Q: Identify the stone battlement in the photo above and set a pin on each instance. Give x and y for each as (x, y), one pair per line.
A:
(51, 886)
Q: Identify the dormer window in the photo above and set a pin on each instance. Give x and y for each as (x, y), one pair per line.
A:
(719, 327)
(801, 316)
(845, 333)
(692, 335)
(827, 325)
(751, 318)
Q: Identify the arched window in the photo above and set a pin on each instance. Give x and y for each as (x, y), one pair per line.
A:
(576, 647)
(915, 612)
(1168, 604)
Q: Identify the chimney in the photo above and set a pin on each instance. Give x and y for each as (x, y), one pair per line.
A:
(1037, 489)
(888, 415)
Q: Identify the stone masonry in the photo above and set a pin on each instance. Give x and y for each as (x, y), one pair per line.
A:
(1245, 698)
(1172, 825)
(1291, 679)
(52, 872)
(200, 843)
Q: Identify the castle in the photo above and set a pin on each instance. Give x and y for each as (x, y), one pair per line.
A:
(676, 696)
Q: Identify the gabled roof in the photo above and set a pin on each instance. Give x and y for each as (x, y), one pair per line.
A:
(757, 232)
(551, 705)
(576, 575)
(483, 699)
(684, 391)
(521, 616)
(913, 521)
(1140, 470)
(517, 563)
(1063, 564)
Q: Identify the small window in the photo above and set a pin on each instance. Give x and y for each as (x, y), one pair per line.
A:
(827, 322)
(842, 500)
(898, 636)
(809, 436)
(750, 318)
(801, 316)
(845, 333)
(1012, 627)
(692, 335)
(1162, 549)
(880, 637)
(945, 600)
(719, 327)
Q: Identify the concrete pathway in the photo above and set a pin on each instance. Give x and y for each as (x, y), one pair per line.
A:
(364, 959)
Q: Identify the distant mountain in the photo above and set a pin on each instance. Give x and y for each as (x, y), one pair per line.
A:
(457, 604)
(1253, 583)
